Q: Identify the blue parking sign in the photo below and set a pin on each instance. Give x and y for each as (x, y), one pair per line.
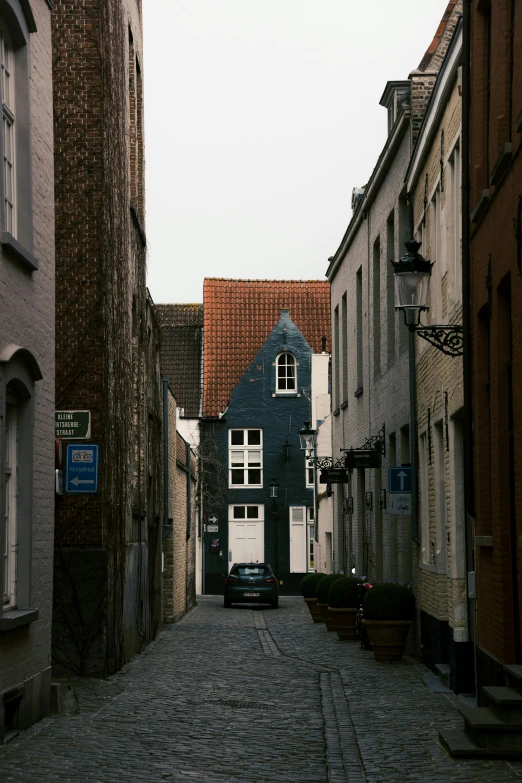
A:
(399, 479)
(81, 469)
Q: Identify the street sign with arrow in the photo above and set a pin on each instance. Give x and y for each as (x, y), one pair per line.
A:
(399, 479)
(81, 469)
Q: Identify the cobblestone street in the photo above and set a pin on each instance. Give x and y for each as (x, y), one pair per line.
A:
(237, 695)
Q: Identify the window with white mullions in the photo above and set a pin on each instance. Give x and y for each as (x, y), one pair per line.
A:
(6, 83)
(286, 373)
(309, 469)
(11, 498)
(245, 512)
(246, 458)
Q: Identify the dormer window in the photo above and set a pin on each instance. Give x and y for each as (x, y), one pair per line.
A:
(394, 96)
(286, 380)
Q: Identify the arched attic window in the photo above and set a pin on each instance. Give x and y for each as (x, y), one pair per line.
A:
(286, 379)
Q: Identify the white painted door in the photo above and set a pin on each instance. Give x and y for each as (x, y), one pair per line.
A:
(298, 540)
(246, 542)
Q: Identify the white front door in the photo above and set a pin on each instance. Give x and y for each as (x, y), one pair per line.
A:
(246, 535)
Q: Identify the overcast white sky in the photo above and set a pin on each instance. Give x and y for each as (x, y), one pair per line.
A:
(260, 118)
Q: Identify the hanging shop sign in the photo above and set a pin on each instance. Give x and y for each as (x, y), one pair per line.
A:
(362, 458)
(333, 476)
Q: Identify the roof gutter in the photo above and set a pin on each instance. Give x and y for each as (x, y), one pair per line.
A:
(436, 107)
(380, 171)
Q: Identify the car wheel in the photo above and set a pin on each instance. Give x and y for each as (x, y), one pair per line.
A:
(227, 604)
(274, 604)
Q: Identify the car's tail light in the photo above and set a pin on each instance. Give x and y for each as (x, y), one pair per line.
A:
(232, 579)
(271, 580)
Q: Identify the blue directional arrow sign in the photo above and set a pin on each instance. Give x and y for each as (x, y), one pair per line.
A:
(399, 479)
(81, 469)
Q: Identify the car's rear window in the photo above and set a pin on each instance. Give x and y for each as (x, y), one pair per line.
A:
(252, 570)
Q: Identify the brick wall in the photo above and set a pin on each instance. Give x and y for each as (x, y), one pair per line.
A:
(107, 337)
(179, 546)
(374, 541)
(440, 400)
(27, 310)
(495, 324)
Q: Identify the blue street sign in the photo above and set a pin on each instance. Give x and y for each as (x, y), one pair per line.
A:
(81, 469)
(399, 479)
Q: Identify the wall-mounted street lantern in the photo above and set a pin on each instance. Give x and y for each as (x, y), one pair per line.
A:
(274, 489)
(412, 284)
(307, 437)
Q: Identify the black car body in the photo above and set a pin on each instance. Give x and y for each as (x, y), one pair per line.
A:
(251, 583)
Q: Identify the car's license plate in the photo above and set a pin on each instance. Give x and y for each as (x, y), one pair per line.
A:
(251, 595)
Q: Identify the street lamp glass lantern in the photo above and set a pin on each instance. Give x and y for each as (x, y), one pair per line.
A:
(307, 437)
(274, 488)
(412, 279)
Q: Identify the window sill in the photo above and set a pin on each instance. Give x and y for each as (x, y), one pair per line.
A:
(286, 394)
(480, 207)
(15, 618)
(344, 405)
(336, 412)
(358, 391)
(14, 247)
(501, 164)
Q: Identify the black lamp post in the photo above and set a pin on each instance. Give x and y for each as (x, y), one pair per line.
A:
(412, 284)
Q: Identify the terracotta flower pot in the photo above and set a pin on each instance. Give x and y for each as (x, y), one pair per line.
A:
(323, 608)
(345, 622)
(331, 620)
(314, 611)
(388, 638)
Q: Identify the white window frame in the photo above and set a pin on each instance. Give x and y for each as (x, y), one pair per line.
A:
(309, 470)
(424, 499)
(247, 450)
(299, 543)
(11, 501)
(260, 512)
(310, 519)
(279, 388)
(7, 87)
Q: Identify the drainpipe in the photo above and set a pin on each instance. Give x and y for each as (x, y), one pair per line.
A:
(189, 490)
(166, 526)
(413, 408)
(469, 492)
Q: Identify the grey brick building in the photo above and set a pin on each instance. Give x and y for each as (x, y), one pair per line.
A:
(370, 394)
(26, 363)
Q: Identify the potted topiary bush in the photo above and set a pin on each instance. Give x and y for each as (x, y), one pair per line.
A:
(389, 609)
(308, 588)
(342, 604)
(322, 597)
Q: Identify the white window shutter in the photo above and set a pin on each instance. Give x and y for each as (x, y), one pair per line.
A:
(298, 543)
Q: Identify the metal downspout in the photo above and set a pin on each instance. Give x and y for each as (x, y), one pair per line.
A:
(166, 526)
(469, 492)
(413, 410)
(189, 489)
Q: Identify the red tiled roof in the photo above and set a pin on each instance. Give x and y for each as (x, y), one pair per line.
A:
(435, 52)
(238, 318)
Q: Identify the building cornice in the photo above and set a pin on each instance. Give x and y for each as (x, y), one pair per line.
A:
(380, 171)
(436, 107)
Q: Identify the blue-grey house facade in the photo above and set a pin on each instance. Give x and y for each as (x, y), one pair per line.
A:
(256, 442)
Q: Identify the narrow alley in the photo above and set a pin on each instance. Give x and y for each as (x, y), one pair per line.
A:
(237, 695)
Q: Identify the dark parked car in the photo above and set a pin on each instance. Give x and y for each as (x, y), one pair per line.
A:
(251, 583)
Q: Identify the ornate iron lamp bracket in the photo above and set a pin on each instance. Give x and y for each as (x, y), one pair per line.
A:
(448, 339)
(377, 442)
